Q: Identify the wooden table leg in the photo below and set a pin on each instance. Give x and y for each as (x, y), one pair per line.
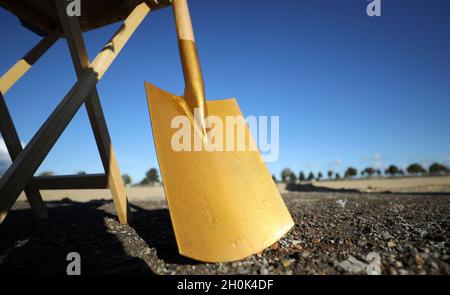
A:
(14, 147)
(75, 41)
(22, 169)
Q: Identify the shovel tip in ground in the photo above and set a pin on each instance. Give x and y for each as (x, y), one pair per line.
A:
(239, 254)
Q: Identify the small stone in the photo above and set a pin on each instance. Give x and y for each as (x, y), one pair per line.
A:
(295, 242)
(391, 244)
(241, 270)
(282, 242)
(298, 247)
(341, 203)
(393, 271)
(434, 265)
(362, 243)
(423, 233)
(286, 262)
(419, 260)
(353, 265)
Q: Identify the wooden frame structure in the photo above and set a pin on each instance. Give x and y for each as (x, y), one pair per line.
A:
(19, 176)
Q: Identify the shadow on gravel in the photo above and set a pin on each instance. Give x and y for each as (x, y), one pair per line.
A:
(308, 187)
(31, 246)
(312, 188)
(155, 228)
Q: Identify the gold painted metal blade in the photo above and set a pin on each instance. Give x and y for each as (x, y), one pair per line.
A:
(224, 206)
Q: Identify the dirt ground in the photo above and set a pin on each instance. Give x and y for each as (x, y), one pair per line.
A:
(336, 232)
(405, 184)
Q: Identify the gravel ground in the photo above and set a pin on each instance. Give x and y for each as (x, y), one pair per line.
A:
(334, 234)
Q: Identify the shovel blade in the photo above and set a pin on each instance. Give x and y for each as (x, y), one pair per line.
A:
(224, 206)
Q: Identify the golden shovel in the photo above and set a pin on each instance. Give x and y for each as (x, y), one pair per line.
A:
(223, 204)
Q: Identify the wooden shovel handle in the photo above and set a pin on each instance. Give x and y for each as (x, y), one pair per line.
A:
(183, 20)
(194, 92)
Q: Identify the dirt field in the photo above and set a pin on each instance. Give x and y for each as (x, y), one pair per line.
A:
(335, 232)
(404, 184)
(135, 194)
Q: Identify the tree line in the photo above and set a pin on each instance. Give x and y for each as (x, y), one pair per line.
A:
(415, 169)
(288, 176)
(151, 177)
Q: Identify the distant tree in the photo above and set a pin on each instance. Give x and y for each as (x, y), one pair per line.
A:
(392, 170)
(47, 173)
(437, 168)
(319, 176)
(151, 177)
(274, 178)
(351, 172)
(126, 179)
(292, 178)
(415, 169)
(330, 174)
(338, 176)
(401, 172)
(378, 172)
(311, 176)
(81, 173)
(369, 171)
(363, 173)
(286, 174)
(301, 176)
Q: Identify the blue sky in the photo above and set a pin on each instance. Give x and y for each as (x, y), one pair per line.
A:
(349, 89)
